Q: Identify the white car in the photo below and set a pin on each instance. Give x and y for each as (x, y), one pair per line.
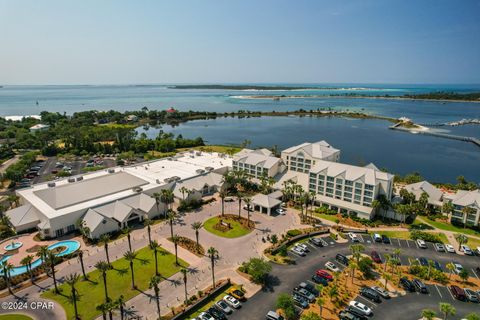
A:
(449, 248)
(377, 237)
(439, 247)
(232, 301)
(458, 267)
(281, 211)
(421, 244)
(330, 266)
(353, 237)
(466, 249)
(360, 307)
(303, 246)
(299, 251)
(478, 250)
(205, 316)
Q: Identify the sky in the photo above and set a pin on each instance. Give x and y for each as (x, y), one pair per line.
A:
(242, 41)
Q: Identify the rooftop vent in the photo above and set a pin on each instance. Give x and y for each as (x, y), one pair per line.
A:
(200, 171)
(111, 170)
(137, 189)
(51, 184)
(209, 169)
(198, 153)
(176, 178)
(71, 180)
(157, 181)
(79, 178)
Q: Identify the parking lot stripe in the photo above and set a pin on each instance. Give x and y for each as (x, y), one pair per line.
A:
(408, 244)
(476, 275)
(399, 244)
(451, 295)
(368, 301)
(439, 293)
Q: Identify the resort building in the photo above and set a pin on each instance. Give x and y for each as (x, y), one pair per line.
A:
(347, 188)
(258, 163)
(463, 200)
(435, 195)
(108, 200)
(303, 157)
(195, 188)
(39, 127)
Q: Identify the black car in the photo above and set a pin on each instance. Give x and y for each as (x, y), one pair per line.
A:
(420, 286)
(316, 241)
(370, 294)
(217, 314)
(320, 280)
(342, 259)
(385, 239)
(310, 287)
(347, 315)
(423, 261)
(407, 284)
(356, 312)
(437, 266)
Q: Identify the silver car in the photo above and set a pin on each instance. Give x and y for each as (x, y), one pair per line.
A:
(471, 295)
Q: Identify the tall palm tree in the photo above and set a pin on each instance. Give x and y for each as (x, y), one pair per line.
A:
(450, 266)
(320, 303)
(7, 268)
(175, 240)
(104, 239)
(184, 273)
(154, 281)
(72, 280)
(120, 304)
(27, 262)
(155, 246)
(13, 199)
(103, 267)
(240, 198)
(248, 202)
(157, 197)
(147, 222)
(51, 257)
(42, 253)
(223, 194)
(171, 218)
(127, 231)
(183, 190)
(461, 239)
(130, 256)
(428, 314)
(212, 254)
(357, 250)
(447, 309)
(197, 226)
(80, 259)
(167, 197)
(352, 265)
(103, 308)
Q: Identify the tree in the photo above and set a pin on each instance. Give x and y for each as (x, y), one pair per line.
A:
(184, 272)
(428, 314)
(147, 222)
(154, 281)
(155, 246)
(286, 303)
(7, 268)
(176, 240)
(258, 269)
(104, 239)
(357, 250)
(171, 218)
(183, 190)
(27, 262)
(320, 303)
(472, 316)
(42, 253)
(448, 208)
(240, 198)
(51, 261)
(130, 256)
(103, 267)
(80, 259)
(447, 309)
(157, 197)
(463, 274)
(387, 277)
(223, 194)
(120, 304)
(72, 280)
(451, 267)
(311, 316)
(103, 308)
(461, 239)
(127, 231)
(167, 197)
(212, 254)
(248, 202)
(352, 265)
(197, 226)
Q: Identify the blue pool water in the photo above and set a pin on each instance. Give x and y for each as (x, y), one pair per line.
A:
(13, 246)
(5, 258)
(70, 245)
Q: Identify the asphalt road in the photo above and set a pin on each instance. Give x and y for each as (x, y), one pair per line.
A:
(285, 278)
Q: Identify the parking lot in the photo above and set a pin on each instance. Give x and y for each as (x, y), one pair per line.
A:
(285, 278)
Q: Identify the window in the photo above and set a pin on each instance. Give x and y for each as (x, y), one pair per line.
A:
(357, 197)
(347, 195)
(59, 233)
(313, 175)
(338, 187)
(368, 193)
(338, 192)
(349, 189)
(339, 181)
(71, 228)
(358, 185)
(330, 179)
(329, 190)
(348, 183)
(321, 177)
(320, 189)
(368, 187)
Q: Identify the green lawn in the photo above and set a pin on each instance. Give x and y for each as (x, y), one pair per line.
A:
(210, 303)
(237, 229)
(14, 316)
(119, 282)
(449, 227)
(473, 243)
(330, 217)
(394, 234)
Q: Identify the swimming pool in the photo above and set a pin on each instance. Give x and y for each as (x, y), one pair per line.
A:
(5, 258)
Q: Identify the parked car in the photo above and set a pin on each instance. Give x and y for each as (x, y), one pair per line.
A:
(377, 237)
(229, 199)
(232, 301)
(353, 237)
(304, 293)
(385, 239)
(370, 294)
(363, 309)
(437, 265)
(347, 315)
(324, 274)
(421, 244)
(248, 207)
(439, 247)
(420, 286)
(382, 292)
(237, 294)
(223, 306)
(316, 242)
(272, 315)
(458, 267)
(299, 251)
(310, 287)
(342, 259)
(375, 257)
(281, 211)
(331, 266)
(449, 248)
(471, 295)
(458, 293)
(303, 246)
(466, 249)
(319, 280)
(423, 261)
(407, 284)
(300, 301)
(206, 316)
(217, 314)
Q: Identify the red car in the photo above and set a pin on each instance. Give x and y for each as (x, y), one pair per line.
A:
(324, 274)
(376, 257)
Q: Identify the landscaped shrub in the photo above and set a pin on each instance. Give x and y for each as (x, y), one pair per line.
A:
(294, 233)
(257, 268)
(425, 236)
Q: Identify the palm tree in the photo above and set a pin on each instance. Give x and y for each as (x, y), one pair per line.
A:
(42, 253)
(176, 240)
(147, 222)
(27, 261)
(184, 273)
(248, 202)
(450, 266)
(448, 208)
(157, 196)
(130, 256)
(447, 309)
(197, 226)
(155, 246)
(461, 239)
(13, 199)
(103, 308)
(223, 194)
(320, 303)
(213, 254)
(80, 258)
(167, 197)
(183, 190)
(104, 239)
(103, 267)
(357, 250)
(428, 314)
(387, 260)
(127, 231)
(240, 198)
(352, 265)
(171, 219)
(387, 277)
(51, 260)
(7, 268)
(154, 281)
(120, 304)
(72, 280)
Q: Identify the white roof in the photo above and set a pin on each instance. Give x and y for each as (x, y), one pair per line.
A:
(116, 210)
(317, 150)
(260, 157)
(434, 194)
(197, 183)
(297, 177)
(344, 204)
(39, 126)
(265, 201)
(467, 198)
(22, 215)
(140, 201)
(350, 172)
